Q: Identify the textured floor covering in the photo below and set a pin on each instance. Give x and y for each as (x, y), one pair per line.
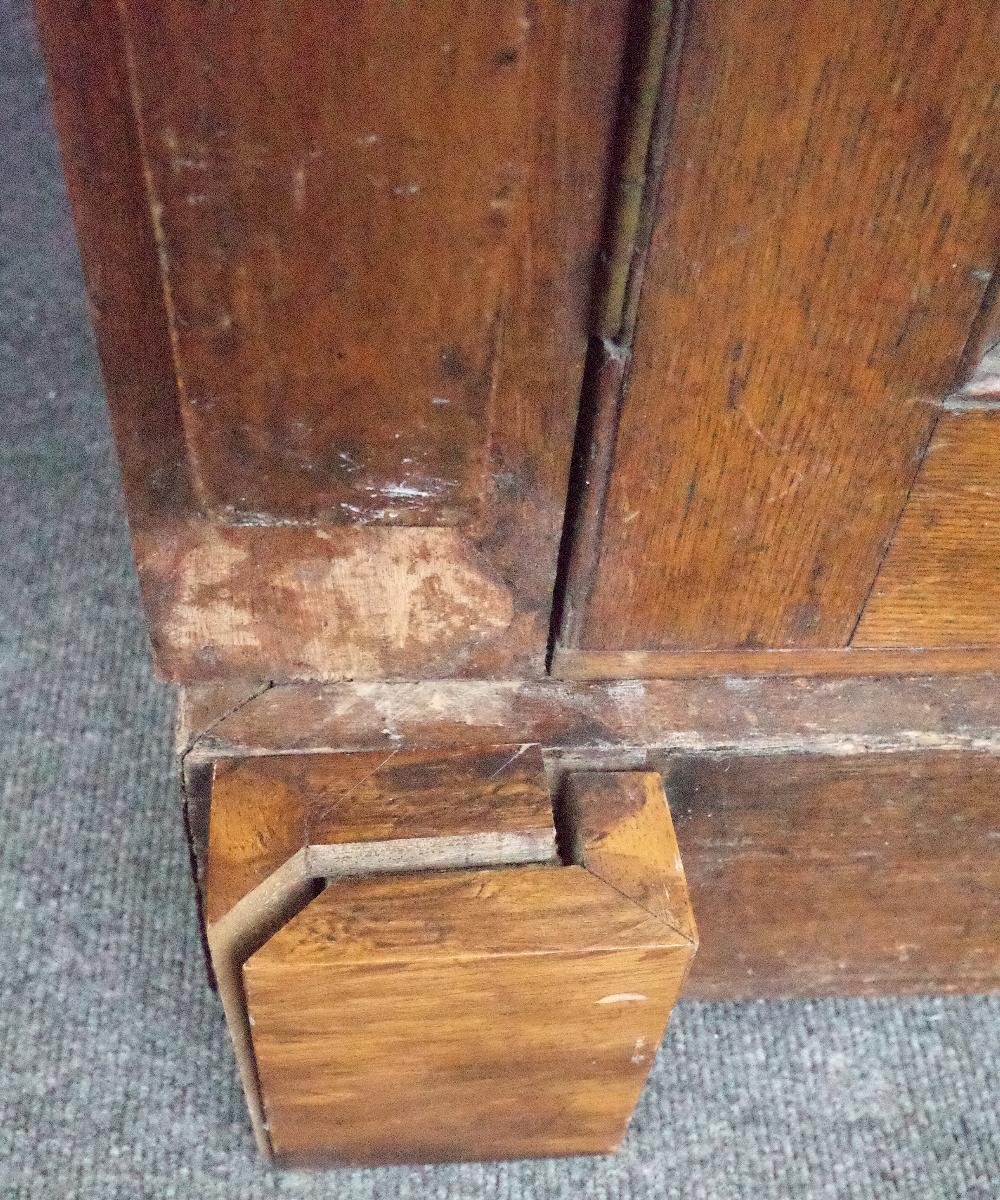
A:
(115, 1074)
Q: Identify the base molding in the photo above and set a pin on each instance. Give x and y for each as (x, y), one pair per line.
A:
(840, 836)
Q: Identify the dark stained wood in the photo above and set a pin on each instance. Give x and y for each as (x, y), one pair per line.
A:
(940, 582)
(327, 183)
(102, 159)
(356, 249)
(597, 431)
(859, 875)
(826, 234)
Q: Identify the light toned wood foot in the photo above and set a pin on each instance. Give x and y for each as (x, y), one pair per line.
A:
(410, 971)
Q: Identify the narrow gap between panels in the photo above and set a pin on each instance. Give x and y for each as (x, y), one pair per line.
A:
(648, 94)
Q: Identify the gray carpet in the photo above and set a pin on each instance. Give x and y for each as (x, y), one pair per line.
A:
(115, 1074)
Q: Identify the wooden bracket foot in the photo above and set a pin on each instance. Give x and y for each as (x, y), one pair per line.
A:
(411, 971)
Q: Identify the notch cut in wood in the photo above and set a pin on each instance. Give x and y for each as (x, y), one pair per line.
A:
(456, 991)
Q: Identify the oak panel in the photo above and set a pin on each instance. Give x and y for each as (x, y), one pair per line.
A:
(853, 660)
(330, 182)
(940, 582)
(826, 233)
(864, 875)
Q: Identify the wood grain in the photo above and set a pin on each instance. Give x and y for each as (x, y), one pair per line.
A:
(819, 259)
(494, 1013)
(102, 159)
(451, 994)
(357, 249)
(620, 830)
(878, 730)
(330, 181)
(908, 757)
(940, 582)
(314, 603)
(622, 723)
(865, 875)
(281, 824)
(265, 809)
(825, 664)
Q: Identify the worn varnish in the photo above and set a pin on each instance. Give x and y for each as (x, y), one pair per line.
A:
(494, 1013)
(940, 582)
(862, 875)
(356, 248)
(340, 195)
(619, 721)
(826, 234)
(322, 603)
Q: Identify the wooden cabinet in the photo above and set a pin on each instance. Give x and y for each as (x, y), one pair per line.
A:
(607, 379)
(362, 252)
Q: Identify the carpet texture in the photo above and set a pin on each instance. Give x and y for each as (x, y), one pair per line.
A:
(116, 1078)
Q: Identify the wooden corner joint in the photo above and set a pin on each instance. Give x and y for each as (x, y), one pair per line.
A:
(418, 961)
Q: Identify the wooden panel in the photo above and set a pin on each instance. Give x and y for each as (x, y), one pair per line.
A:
(374, 231)
(940, 582)
(837, 876)
(819, 260)
(331, 180)
(516, 1014)
(102, 158)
